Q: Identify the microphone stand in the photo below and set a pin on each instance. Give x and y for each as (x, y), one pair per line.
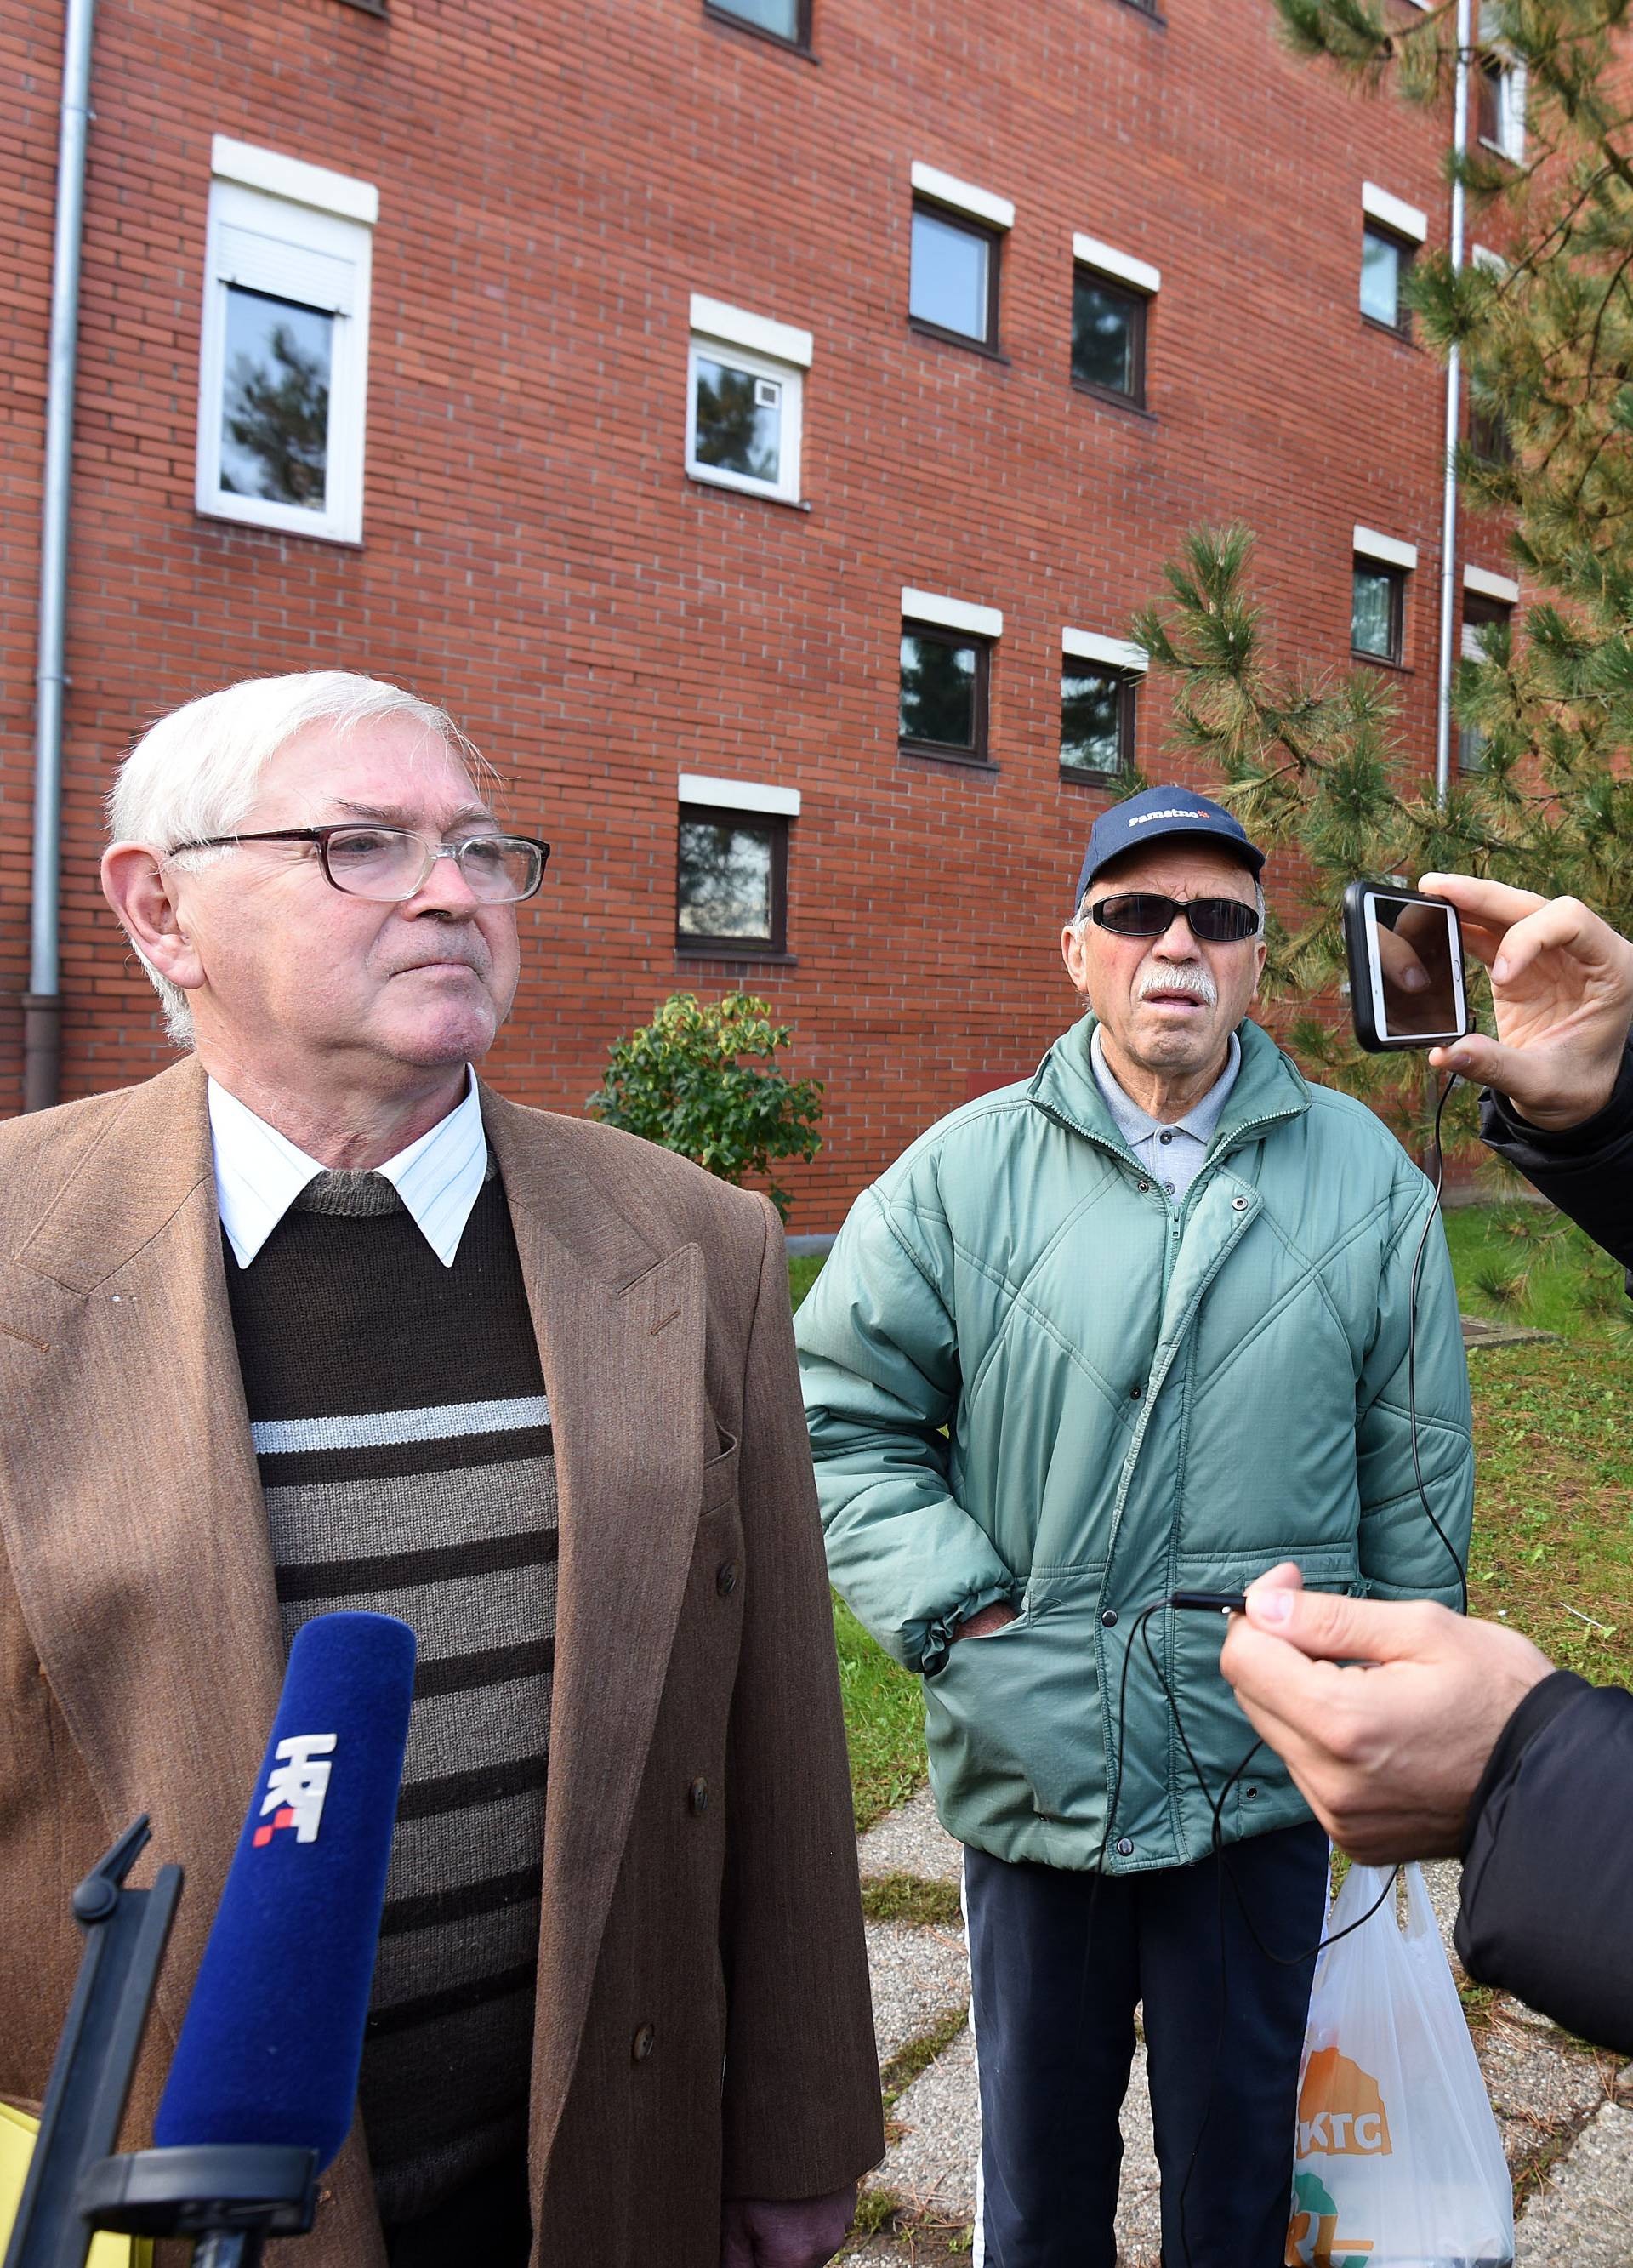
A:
(125, 1937)
(230, 2198)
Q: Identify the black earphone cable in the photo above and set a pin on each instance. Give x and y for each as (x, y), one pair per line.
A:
(1411, 1349)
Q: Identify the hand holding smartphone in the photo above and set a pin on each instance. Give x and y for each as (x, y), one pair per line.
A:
(1405, 952)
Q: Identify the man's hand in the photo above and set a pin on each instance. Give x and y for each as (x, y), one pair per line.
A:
(983, 1624)
(1388, 1758)
(805, 2234)
(1562, 983)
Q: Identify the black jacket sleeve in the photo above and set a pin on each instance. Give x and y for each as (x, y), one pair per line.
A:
(1546, 1912)
(1587, 1171)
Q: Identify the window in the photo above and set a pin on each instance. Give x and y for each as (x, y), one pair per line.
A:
(1391, 232)
(732, 870)
(946, 652)
(944, 692)
(283, 358)
(745, 394)
(1377, 615)
(788, 20)
(954, 289)
(1384, 260)
(1488, 438)
(953, 285)
(1499, 95)
(1111, 295)
(1107, 336)
(1481, 614)
(1097, 684)
(1378, 601)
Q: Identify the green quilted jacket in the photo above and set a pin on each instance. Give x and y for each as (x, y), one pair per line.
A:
(1029, 1377)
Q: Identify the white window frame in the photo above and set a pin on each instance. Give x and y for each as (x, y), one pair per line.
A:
(1486, 584)
(1393, 213)
(761, 349)
(1511, 105)
(736, 795)
(952, 614)
(1116, 267)
(302, 233)
(1387, 550)
(939, 188)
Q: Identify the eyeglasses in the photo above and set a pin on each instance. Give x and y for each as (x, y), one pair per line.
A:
(1216, 921)
(392, 863)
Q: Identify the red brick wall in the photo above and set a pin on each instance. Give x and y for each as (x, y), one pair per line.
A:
(555, 181)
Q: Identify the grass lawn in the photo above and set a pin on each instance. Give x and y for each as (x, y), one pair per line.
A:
(1553, 1542)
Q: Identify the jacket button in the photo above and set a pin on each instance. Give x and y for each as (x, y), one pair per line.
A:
(1144, 1187)
(1133, 1394)
(641, 2046)
(1125, 1849)
(697, 1798)
(1250, 1793)
(1110, 1618)
(726, 1581)
(1239, 1204)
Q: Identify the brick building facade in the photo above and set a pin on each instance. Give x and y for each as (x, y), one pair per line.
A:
(572, 223)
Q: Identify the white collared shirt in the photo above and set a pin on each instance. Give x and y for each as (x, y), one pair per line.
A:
(260, 1173)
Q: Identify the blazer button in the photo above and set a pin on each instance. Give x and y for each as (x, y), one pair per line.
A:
(726, 1581)
(697, 1798)
(642, 2046)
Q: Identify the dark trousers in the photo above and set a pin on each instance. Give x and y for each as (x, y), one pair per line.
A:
(1054, 2014)
(489, 2220)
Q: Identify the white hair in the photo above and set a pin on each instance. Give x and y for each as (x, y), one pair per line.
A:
(196, 774)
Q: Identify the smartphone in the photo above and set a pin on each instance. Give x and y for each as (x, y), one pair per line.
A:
(1391, 935)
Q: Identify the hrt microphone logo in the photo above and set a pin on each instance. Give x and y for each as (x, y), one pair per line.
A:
(296, 1788)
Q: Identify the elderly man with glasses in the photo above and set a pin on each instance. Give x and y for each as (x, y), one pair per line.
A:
(313, 1320)
(1137, 1328)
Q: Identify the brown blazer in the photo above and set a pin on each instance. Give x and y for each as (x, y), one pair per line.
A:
(140, 1659)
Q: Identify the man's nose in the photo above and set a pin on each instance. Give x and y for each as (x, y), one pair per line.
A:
(1176, 942)
(444, 892)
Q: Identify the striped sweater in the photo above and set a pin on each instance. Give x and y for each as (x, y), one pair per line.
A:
(403, 1431)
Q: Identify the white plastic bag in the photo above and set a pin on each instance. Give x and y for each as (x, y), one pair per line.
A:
(1399, 2163)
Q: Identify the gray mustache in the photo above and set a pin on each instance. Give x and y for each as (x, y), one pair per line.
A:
(1188, 977)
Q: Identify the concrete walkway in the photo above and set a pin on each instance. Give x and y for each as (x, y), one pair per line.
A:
(1566, 2113)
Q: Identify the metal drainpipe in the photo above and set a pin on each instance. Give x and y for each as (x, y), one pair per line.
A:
(42, 1002)
(1450, 611)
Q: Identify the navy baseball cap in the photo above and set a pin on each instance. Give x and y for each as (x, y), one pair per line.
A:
(1157, 812)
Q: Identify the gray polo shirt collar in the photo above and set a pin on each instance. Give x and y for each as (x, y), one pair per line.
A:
(1179, 1160)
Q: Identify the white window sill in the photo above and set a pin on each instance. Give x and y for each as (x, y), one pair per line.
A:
(240, 519)
(704, 479)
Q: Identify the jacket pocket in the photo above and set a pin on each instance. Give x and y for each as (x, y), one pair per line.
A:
(720, 1476)
(1008, 1719)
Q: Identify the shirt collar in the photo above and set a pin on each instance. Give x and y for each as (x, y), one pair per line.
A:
(259, 1173)
(1136, 1125)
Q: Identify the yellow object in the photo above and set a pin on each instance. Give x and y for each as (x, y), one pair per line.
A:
(17, 2130)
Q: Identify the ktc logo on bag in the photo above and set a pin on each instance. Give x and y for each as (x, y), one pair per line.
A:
(1341, 2111)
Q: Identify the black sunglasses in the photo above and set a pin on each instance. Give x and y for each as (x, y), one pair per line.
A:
(1216, 921)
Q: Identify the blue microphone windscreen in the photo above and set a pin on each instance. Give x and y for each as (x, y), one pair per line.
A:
(273, 2037)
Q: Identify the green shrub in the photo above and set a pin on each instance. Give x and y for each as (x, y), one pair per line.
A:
(682, 1081)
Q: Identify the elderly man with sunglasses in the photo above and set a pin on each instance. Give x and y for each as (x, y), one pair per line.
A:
(312, 1321)
(1140, 1326)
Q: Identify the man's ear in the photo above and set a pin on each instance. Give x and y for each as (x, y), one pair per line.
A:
(144, 899)
(1072, 953)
